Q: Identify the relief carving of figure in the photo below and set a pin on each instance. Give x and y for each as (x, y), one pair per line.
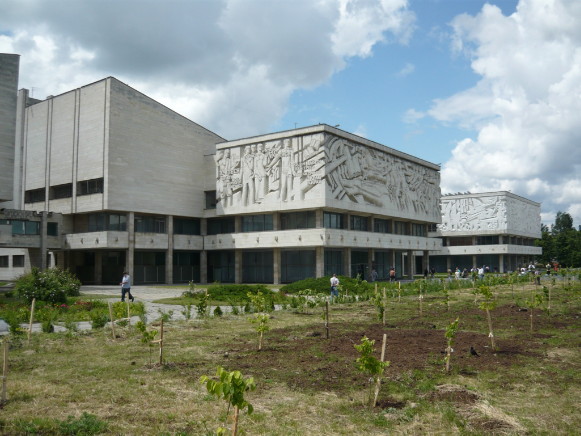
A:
(247, 164)
(260, 162)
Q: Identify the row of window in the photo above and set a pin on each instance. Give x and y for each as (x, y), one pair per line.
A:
(24, 227)
(84, 187)
(486, 240)
(251, 223)
(17, 261)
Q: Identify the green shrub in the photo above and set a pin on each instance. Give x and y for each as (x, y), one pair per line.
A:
(53, 285)
(99, 319)
(322, 285)
(85, 425)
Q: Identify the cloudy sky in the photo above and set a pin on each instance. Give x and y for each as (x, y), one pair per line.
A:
(491, 91)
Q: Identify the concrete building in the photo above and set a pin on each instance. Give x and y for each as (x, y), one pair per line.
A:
(142, 188)
(496, 229)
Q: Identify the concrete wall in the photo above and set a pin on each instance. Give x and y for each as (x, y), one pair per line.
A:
(9, 67)
(156, 157)
(324, 167)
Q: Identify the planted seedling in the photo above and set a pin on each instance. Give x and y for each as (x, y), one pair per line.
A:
(370, 365)
(147, 337)
(230, 387)
(451, 331)
(202, 306)
(535, 300)
(261, 321)
(487, 304)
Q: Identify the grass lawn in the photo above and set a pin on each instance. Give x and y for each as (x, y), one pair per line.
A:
(92, 383)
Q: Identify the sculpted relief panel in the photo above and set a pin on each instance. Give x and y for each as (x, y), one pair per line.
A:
(473, 214)
(497, 212)
(310, 167)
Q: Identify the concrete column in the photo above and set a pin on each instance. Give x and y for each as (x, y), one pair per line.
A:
(448, 263)
(347, 261)
(203, 253)
(169, 252)
(474, 260)
(319, 218)
(276, 221)
(204, 267)
(130, 260)
(238, 266)
(410, 264)
(425, 261)
(43, 239)
(320, 256)
(370, 262)
(276, 265)
(501, 262)
(237, 224)
(98, 267)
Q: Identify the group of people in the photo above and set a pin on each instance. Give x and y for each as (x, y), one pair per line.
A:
(474, 272)
(335, 281)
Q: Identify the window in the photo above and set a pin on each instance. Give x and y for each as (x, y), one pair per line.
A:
(21, 227)
(210, 199)
(459, 241)
(34, 195)
(333, 220)
(256, 223)
(99, 222)
(359, 223)
(418, 230)
(52, 229)
(220, 225)
(333, 262)
(61, 191)
(381, 226)
(297, 220)
(186, 226)
(400, 228)
(150, 224)
(487, 240)
(3, 261)
(18, 261)
(87, 187)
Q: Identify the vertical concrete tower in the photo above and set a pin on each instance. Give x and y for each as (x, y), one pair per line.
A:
(9, 68)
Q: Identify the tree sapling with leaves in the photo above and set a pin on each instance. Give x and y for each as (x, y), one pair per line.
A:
(488, 304)
(451, 331)
(231, 387)
(368, 364)
(147, 337)
(535, 300)
(261, 321)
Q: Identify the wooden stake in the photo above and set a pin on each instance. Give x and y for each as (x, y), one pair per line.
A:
(128, 312)
(491, 334)
(327, 318)
(378, 382)
(112, 320)
(31, 318)
(4, 370)
(399, 292)
(384, 305)
(235, 424)
(161, 343)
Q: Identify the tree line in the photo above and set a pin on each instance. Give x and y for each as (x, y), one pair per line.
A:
(561, 242)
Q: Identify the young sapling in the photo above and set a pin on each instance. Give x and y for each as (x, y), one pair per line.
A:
(368, 364)
(487, 304)
(231, 387)
(261, 321)
(451, 331)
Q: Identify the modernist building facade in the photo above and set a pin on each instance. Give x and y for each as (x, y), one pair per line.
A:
(143, 189)
(496, 229)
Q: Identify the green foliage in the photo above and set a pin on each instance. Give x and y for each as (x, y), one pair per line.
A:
(147, 337)
(99, 319)
(187, 312)
(450, 335)
(231, 387)
(52, 285)
(489, 302)
(322, 285)
(261, 321)
(258, 301)
(202, 305)
(366, 362)
(218, 311)
(85, 425)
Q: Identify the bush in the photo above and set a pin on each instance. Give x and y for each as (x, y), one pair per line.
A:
(86, 424)
(53, 285)
(322, 285)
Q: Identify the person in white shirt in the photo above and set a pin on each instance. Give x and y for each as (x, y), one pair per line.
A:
(126, 287)
(334, 286)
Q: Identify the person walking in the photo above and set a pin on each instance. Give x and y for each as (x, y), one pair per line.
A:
(334, 287)
(126, 287)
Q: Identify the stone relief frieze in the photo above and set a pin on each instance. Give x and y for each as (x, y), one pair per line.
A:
(474, 214)
(288, 169)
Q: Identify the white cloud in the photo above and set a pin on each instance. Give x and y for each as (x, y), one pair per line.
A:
(230, 65)
(526, 107)
(406, 70)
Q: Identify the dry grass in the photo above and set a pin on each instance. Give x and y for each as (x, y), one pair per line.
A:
(57, 376)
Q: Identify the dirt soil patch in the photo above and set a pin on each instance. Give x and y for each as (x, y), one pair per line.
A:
(304, 359)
